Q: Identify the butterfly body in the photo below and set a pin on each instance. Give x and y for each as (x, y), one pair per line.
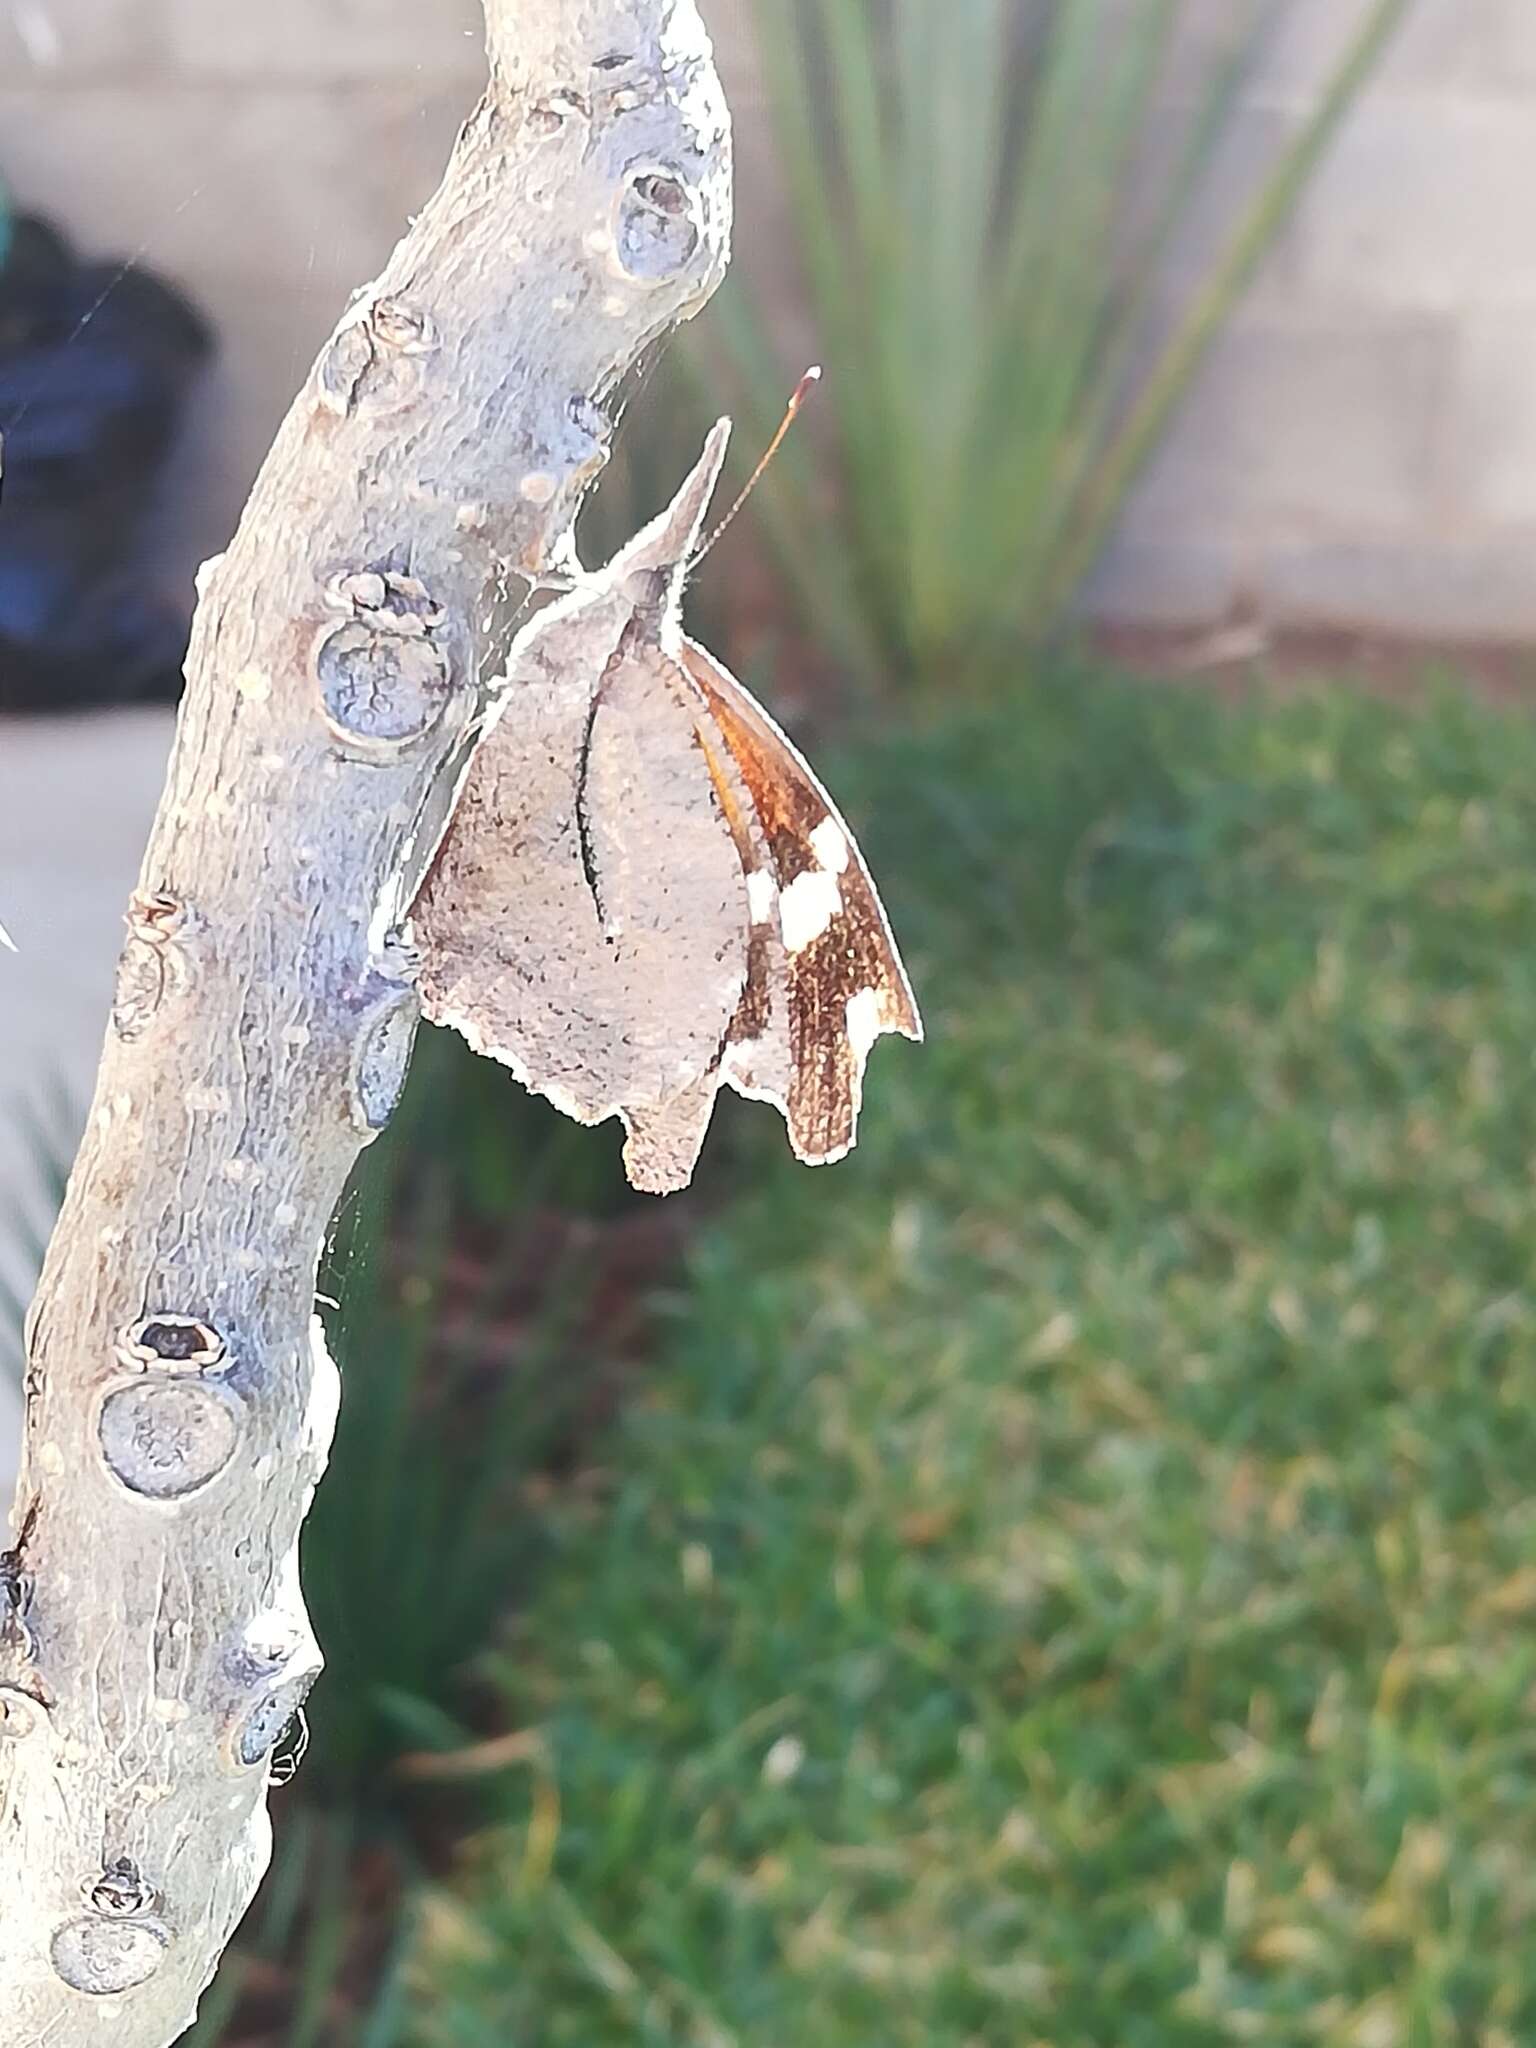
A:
(643, 894)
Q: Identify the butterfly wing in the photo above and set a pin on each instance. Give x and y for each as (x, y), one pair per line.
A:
(824, 978)
(585, 918)
(644, 893)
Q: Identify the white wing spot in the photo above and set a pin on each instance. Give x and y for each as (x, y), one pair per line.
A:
(807, 907)
(863, 1015)
(760, 895)
(829, 843)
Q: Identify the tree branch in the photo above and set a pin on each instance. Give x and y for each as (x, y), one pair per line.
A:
(153, 1640)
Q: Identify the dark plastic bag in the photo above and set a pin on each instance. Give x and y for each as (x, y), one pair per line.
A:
(95, 366)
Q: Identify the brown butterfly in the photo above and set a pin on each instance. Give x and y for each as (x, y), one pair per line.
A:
(644, 893)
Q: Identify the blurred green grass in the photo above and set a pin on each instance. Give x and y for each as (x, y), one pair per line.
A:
(1069, 1578)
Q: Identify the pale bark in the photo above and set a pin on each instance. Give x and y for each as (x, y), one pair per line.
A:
(153, 1640)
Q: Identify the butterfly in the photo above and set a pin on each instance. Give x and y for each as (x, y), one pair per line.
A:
(643, 893)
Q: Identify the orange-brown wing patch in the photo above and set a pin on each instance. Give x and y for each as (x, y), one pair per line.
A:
(827, 956)
(755, 1056)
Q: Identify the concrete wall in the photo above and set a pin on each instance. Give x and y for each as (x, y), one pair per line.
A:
(265, 153)
(1362, 448)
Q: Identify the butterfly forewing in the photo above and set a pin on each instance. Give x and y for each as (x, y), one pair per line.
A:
(825, 976)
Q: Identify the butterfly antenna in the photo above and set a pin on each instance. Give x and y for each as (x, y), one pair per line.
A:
(797, 398)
